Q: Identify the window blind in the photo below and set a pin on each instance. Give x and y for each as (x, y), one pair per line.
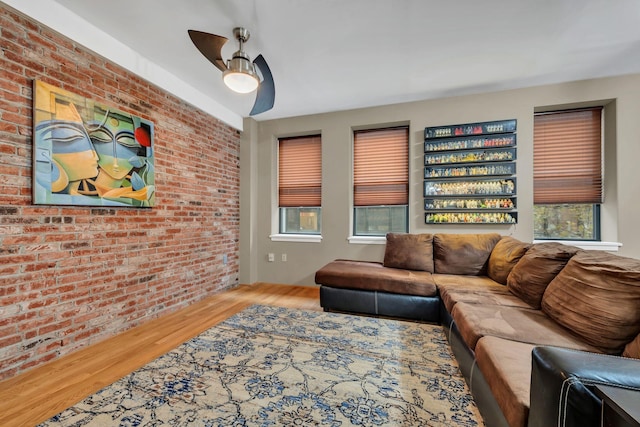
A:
(300, 171)
(381, 167)
(567, 157)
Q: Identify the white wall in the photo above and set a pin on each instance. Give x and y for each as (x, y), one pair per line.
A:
(258, 171)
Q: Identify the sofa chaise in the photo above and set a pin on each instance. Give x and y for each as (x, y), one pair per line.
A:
(534, 327)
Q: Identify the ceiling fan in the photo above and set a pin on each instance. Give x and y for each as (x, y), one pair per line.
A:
(239, 73)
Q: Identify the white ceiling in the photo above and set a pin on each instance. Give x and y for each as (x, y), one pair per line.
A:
(328, 55)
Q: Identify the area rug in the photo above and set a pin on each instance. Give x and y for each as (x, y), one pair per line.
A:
(272, 366)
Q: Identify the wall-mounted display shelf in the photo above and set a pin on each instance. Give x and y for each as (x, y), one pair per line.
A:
(470, 156)
(493, 141)
(482, 128)
(470, 187)
(469, 174)
(475, 170)
(466, 203)
(471, 218)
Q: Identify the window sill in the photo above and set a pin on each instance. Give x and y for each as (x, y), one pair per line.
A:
(303, 238)
(368, 240)
(590, 246)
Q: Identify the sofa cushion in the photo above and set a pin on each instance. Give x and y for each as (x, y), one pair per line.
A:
(373, 276)
(506, 366)
(451, 296)
(632, 349)
(513, 323)
(463, 253)
(597, 296)
(466, 282)
(474, 289)
(409, 251)
(504, 256)
(537, 268)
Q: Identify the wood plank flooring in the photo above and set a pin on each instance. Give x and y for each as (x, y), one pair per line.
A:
(41, 393)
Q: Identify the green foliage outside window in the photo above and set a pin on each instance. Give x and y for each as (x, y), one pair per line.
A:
(565, 222)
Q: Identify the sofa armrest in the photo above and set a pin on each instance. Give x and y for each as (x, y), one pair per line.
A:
(563, 380)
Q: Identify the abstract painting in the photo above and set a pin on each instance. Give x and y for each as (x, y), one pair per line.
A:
(89, 154)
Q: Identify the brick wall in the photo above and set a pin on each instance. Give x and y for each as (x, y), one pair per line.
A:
(71, 276)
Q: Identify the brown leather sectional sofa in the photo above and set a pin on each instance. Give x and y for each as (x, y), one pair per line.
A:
(534, 327)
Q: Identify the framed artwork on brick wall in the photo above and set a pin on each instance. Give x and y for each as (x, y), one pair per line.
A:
(89, 154)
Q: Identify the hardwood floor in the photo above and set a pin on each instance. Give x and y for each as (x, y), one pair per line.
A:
(40, 393)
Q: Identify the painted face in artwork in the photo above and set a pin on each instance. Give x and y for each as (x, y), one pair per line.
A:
(73, 156)
(73, 150)
(114, 140)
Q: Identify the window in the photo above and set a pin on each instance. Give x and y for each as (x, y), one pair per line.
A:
(381, 181)
(300, 185)
(567, 174)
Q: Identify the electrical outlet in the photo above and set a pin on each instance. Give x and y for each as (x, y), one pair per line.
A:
(284, 257)
(271, 257)
(225, 259)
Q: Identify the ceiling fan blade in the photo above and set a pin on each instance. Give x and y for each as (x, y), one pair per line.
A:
(210, 45)
(266, 91)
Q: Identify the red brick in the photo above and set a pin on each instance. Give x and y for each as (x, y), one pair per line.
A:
(54, 327)
(74, 275)
(10, 340)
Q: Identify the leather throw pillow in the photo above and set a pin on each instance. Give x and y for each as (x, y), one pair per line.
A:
(409, 251)
(530, 277)
(597, 296)
(504, 256)
(463, 253)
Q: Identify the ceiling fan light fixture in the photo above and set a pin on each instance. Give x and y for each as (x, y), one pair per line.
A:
(240, 76)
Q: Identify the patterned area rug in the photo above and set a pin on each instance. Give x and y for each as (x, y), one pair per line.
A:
(271, 366)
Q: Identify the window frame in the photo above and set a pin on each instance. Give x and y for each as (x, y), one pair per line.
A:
(309, 190)
(379, 237)
(595, 194)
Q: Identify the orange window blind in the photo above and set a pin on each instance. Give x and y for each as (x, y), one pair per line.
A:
(381, 167)
(300, 171)
(567, 157)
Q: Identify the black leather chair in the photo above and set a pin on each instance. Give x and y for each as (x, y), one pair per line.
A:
(563, 382)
